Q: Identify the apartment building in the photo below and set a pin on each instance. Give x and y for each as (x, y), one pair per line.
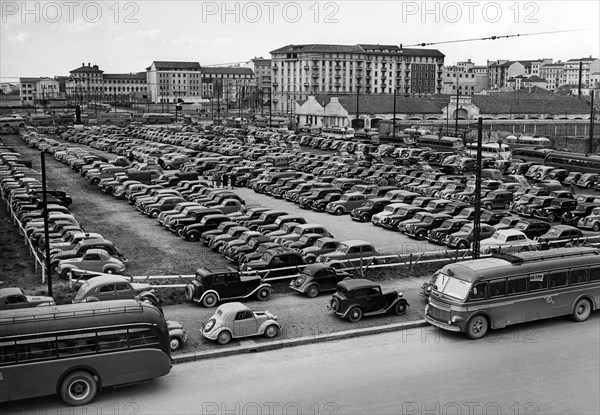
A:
(299, 71)
(170, 81)
(38, 91)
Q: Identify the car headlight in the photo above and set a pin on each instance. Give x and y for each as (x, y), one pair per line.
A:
(210, 325)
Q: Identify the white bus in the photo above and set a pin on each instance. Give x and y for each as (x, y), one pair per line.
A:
(495, 150)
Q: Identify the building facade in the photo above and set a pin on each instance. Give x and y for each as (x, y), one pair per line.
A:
(553, 73)
(571, 71)
(170, 81)
(38, 91)
(299, 71)
(232, 85)
(465, 77)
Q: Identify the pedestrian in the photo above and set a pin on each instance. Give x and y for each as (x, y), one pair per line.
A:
(218, 180)
(233, 179)
(225, 181)
(130, 156)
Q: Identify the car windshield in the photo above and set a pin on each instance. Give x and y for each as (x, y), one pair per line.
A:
(451, 187)
(467, 228)
(368, 204)
(596, 211)
(418, 217)
(506, 221)
(345, 198)
(428, 220)
(499, 237)
(521, 226)
(288, 226)
(452, 287)
(298, 230)
(82, 290)
(343, 248)
(552, 233)
(267, 256)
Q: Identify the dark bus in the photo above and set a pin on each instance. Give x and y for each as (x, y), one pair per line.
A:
(76, 349)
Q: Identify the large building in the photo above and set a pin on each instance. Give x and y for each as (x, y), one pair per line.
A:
(464, 78)
(571, 71)
(234, 85)
(38, 91)
(89, 83)
(553, 73)
(299, 71)
(171, 81)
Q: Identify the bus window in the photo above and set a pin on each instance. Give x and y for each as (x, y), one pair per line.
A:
(558, 279)
(578, 276)
(477, 292)
(538, 282)
(498, 288)
(517, 285)
(594, 274)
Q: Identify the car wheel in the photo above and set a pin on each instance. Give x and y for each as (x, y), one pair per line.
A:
(210, 300)
(192, 236)
(462, 245)
(154, 214)
(312, 291)
(189, 292)
(551, 217)
(54, 267)
(596, 227)
(224, 337)
(263, 294)
(339, 211)
(355, 314)
(65, 274)
(477, 327)
(335, 304)
(310, 260)
(400, 308)
(507, 205)
(110, 271)
(174, 343)
(420, 235)
(95, 181)
(582, 310)
(271, 331)
(78, 388)
(442, 240)
(364, 218)
(488, 206)
(168, 167)
(525, 249)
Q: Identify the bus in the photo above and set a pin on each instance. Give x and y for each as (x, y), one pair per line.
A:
(527, 141)
(494, 150)
(158, 118)
(476, 295)
(573, 161)
(437, 143)
(536, 155)
(6, 122)
(99, 106)
(76, 349)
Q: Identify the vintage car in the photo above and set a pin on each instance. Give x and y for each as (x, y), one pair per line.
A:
(355, 298)
(177, 335)
(353, 252)
(212, 285)
(321, 246)
(507, 241)
(276, 262)
(591, 221)
(235, 320)
(316, 278)
(95, 260)
(111, 287)
(14, 297)
(559, 236)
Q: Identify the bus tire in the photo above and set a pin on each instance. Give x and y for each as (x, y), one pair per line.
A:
(582, 310)
(477, 327)
(78, 388)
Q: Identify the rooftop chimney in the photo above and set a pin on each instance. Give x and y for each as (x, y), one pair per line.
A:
(82, 63)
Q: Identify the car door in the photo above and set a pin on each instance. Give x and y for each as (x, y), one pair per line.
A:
(245, 324)
(91, 262)
(373, 300)
(105, 292)
(123, 291)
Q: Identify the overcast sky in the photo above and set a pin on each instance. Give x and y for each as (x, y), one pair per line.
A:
(52, 38)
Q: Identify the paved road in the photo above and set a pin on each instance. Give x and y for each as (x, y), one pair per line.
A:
(550, 367)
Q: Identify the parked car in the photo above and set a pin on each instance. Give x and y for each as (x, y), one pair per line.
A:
(497, 199)
(177, 335)
(346, 203)
(111, 287)
(506, 241)
(448, 227)
(365, 212)
(591, 221)
(351, 252)
(212, 285)
(573, 216)
(559, 236)
(532, 228)
(235, 320)
(14, 297)
(276, 262)
(355, 298)
(556, 210)
(317, 278)
(321, 246)
(94, 260)
(465, 236)
(421, 228)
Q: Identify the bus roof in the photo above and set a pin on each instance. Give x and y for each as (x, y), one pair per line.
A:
(527, 262)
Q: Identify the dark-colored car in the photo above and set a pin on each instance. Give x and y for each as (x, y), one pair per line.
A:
(15, 298)
(419, 230)
(192, 233)
(581, 211)
(532, 228)
(465, 236)
(212, 285)
(448, 227)
(559, 236)
(317, 278)
(365, 212)
(497, 199)
(321, 246)
(556, 210)
(355, 298)
(276, 262)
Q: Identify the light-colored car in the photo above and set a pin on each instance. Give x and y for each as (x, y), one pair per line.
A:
(353, 252)
(95, 260)
(14, 297)
(592, 221)
(507, 240)
(110, 287)
(235, 320)
(177, 335)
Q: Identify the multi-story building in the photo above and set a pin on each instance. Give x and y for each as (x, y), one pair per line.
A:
(170, 81)
(571, 71)
(553, 73)
(232, 85)
(38, 91)
(262, 79)
(299, 71)
(466, 76)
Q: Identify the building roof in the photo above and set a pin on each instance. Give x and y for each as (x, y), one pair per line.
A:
(139, 75)
(538, 101)
(590, 59)
(29, 80)
(318, 48)
(87, 69)
(384, 104)
(227, 70)
(161, 65)
(360, 48)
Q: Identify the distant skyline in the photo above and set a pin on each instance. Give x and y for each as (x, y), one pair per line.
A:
(51, 38)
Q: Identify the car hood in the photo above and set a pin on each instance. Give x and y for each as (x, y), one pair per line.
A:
(257, 264)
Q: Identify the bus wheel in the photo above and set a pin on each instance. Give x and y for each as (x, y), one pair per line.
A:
(79, 388)
(582, 310)
(477, 327)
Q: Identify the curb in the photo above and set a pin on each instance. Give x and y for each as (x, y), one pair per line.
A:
(301, 341)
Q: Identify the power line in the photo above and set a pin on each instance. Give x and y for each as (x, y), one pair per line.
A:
(496, 37)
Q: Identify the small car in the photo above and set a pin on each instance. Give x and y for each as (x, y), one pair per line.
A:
(235, 320)
(316, 278)
(177, 335)
(351, 253)
(14, 297)
(95, 260)
(507, 241)
(355, 298)
(212, 285)
(110, 287)
(560, 236)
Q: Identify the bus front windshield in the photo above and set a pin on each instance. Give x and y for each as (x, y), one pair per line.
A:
(452, 287)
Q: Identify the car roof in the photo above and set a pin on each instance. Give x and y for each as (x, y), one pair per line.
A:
(106, 279)
(356, 283)
(4, 292)
(354, 242)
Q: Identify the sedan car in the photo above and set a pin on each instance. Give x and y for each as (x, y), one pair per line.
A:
(235, 320)
(507, 241)
(95, 260)
(110, 287)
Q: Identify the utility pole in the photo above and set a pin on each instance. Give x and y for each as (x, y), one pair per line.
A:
(357, 106)
(580, 76)
(394, 119)
(456, 110)
(477, 202)
(270, 106)
(46, 231)
(592, 115)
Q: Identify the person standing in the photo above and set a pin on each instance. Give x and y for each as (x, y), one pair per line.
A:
(233, 180)
(218, 180)
(225, 181)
